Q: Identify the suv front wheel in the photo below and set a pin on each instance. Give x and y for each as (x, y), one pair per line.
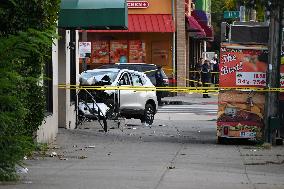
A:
(149, 114)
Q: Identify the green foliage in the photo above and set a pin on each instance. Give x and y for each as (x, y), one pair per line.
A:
(217, 9)
(26, 34)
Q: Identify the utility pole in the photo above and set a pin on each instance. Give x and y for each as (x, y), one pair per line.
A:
(273, 73)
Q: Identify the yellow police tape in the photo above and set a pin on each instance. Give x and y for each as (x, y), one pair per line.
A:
(170, 89)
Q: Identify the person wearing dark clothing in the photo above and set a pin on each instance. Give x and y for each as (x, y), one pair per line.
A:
(159, 83)
(198, 67)
(205, 76)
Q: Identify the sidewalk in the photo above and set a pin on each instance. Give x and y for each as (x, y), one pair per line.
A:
(192, 98)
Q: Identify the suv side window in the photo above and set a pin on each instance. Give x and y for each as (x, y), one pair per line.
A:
(124, 80)
(137, 81)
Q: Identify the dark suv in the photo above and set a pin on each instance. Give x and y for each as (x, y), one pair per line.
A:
(148, 69)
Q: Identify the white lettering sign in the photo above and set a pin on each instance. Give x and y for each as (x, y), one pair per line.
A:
(251, 78)
(84, 47)
(137, 4)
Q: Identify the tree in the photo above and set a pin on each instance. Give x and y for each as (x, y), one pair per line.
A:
(26, 33)
(217, 9)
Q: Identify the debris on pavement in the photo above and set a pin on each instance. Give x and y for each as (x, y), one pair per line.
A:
(92, 146)
(63, 158)
(171, 167)
(53, 154)
(22, 170)
(82, 157)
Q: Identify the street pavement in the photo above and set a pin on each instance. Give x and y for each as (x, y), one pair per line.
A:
(178, 152)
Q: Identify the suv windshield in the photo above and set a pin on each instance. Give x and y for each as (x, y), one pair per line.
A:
(101, 75)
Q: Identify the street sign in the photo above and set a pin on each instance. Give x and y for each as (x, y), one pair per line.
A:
(232, 14)
(137, 4)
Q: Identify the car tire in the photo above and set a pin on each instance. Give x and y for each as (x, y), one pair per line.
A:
(149, 114)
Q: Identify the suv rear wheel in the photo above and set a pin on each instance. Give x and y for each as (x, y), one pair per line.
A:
(149, 114)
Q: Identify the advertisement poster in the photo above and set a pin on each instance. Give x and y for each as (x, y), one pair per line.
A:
(137, 51)
(242, 112)
(243, 66)
(100, 52)
(118, 51)
(84, 47)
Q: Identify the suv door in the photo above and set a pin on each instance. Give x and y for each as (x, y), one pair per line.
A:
(140, 95)
(127, 97)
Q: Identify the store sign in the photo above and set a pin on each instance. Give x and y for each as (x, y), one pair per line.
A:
(84, 48)
(243, 67)
(137, 4)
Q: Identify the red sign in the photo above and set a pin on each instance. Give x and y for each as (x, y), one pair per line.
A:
(243, 67)
(137, 4)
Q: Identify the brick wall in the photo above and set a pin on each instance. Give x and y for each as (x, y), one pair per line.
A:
(181, 67)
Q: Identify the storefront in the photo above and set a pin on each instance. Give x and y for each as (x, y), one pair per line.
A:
(149, 38)
(199, 35)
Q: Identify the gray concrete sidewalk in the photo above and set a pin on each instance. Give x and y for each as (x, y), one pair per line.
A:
(192, 98)
(170, 155)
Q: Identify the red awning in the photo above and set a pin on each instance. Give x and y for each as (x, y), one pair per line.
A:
(208, 30)
(146, 23)
(195, 28)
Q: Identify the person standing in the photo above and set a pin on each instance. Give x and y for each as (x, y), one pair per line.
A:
(198, 67)
(215, 68)
(205, 76)
(159, 83)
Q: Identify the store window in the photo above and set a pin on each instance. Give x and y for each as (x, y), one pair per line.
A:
(118, 51)
(100, 51)
(137, 52)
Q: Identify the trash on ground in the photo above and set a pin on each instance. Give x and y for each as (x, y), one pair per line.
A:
(75, 146)
(25, 157)
(82, 157)
(22, 170)
(171, 167)
(92, 146)
(53, 154)
(134, 128)
(162, 125)
(63, 158)
(27, 182)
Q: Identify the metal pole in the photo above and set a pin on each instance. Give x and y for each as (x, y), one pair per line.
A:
(273, 73)
(174, 42)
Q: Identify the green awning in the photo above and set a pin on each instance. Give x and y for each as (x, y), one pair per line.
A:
(93, 14)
